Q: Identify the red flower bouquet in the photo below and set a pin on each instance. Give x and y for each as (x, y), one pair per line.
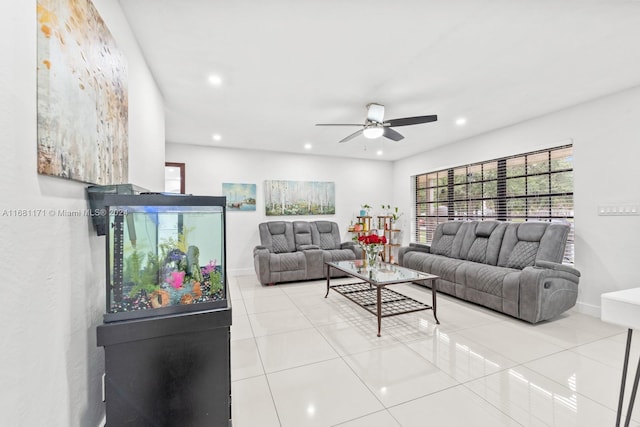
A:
(372, 239)
(372, 244)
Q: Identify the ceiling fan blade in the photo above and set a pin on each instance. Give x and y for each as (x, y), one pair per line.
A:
(350, 137)
(406, 121)
(338, 124)
(392, 134)
(375, 112)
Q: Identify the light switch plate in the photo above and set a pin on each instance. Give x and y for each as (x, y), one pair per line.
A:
(622, 209)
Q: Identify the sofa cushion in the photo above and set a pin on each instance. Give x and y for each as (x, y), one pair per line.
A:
(287, 262)
(485, 228)
(302, 235)
(523, 255)
(526, 232)
(447, 238)
(478, 251)
(493, 287)
(277, 236)
(443, 246)
(520, 244)
(487, 279)
(325, 234)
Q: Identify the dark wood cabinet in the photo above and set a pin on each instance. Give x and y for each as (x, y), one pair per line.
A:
(168, 371)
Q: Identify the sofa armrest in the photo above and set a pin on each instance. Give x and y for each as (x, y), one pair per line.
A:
(557, 267)
(417, 247)
(347, 245)
(545, 292)
(354, 247)
(261, 264)
(420, 247)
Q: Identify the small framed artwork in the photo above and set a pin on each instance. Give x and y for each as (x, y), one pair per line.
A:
(240, 197)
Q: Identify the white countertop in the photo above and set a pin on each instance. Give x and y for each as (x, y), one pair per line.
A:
(622, 308)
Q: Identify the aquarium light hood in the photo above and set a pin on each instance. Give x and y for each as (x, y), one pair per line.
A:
(95, 197)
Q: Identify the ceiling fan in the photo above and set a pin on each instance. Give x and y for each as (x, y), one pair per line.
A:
(374, 126)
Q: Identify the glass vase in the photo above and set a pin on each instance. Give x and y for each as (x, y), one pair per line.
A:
(371, 254)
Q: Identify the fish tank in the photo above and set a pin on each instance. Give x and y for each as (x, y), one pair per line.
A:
(165, 255)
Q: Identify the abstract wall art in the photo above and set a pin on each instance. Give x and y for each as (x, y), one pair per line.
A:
(82, 95)
(299, 198)
(240, 197)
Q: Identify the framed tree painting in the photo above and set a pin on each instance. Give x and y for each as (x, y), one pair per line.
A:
(299, 198)
(82, 95)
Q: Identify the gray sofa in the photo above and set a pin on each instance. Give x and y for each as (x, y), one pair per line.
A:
(515, 268)
(297, 250)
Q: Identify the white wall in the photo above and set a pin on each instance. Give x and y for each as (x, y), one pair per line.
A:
(54, 267)
(356, 182)
(606, 141)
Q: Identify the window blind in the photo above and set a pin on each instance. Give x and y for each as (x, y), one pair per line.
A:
(535, 186)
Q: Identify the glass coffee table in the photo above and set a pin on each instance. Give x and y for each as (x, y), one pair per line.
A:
(372, 294)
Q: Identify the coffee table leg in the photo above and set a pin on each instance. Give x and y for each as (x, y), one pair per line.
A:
(328, 279)
(433, 299)
(379, 305)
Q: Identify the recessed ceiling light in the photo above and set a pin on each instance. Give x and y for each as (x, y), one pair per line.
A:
(308, 146)
(379, 152)
(216, 137)
(461, 121)
(215, 80)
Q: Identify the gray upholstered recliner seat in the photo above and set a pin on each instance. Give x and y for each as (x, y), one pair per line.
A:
(292, 251)
(515, 268)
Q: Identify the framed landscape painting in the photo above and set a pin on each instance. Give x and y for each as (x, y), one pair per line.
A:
(240, 197)
(82, 95)
(299, 198)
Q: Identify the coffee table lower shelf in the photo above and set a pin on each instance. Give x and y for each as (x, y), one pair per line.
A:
(392, 303)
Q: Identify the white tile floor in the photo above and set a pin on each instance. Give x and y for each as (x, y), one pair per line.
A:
(298, 359)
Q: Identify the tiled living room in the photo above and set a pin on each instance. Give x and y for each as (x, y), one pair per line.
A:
(436, 112)
(299, 359)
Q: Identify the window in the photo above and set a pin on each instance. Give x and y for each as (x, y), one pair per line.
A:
(536, 186)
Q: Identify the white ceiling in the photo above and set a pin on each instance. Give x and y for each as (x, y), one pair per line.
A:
(288, 64)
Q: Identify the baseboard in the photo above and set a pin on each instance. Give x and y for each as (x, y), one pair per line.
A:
(588, 309)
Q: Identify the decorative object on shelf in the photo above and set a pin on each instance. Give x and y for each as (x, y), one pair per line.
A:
(299, 198)
(388, 228)
(396, 237)
(372, 245)
(364, 211)
(82, 95)
(394, 213)
(240, 197)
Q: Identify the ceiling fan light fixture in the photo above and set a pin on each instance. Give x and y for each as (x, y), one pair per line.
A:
(373, 132)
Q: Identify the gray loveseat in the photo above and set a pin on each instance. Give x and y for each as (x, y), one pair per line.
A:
(297, 250)
(515, 268)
